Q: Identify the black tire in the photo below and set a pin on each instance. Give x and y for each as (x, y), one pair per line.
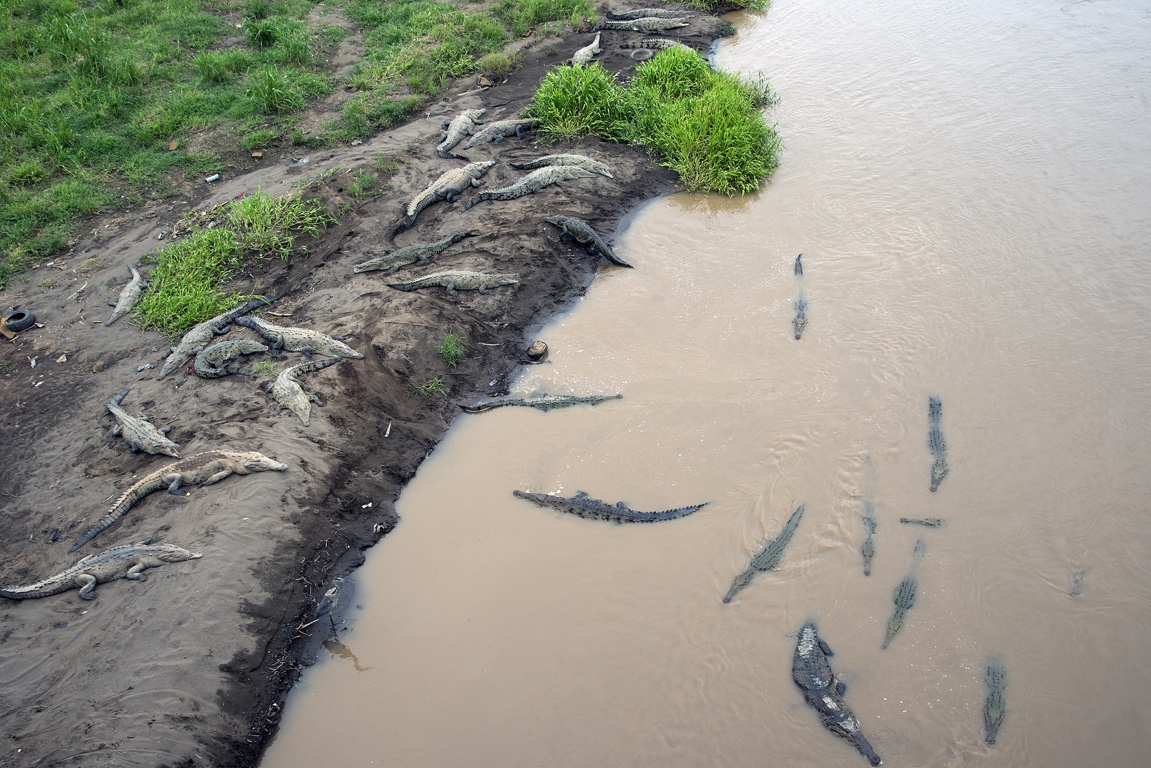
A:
(20, 320)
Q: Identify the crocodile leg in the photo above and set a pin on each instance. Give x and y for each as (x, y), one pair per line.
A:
(450, 286)
(136, 573)
(307, 352)
(166, 430)
(217, 477)
(115, 431)
(136, 446)
(87, 586)
(175, 488)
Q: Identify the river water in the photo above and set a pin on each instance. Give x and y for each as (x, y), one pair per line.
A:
(970, 185)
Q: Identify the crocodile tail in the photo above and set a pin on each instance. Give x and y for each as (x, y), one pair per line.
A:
(318, 365)
(119, 398)
(451, 155)
(403, 286)
(403, 225)
(92, 531)
(479, 199)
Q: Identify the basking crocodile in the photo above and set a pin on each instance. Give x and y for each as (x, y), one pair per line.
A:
(199, 469)
(303, 340)
(211, 362)
(584, 55)
(656, 44)
(800, 321)
(994, 707)
(871, 526)
(291, 395)
(769, 556)
(812, 672)
(532, 182)
(139, 432)
(939, 468)
(579, 161)
(410, 254)
(500, 130)
(200, 335)
(904, 595)
(127, 561)
(455, 280)
(447, 187)
(646, 24)
(582, 233)
(649, 13)
(594, 509)
(456, 129)
(799, 265)
(928, 522)
(543, 402)
(129, 296)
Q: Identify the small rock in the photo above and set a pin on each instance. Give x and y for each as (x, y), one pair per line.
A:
(98, 368)
(172, 145)
(145, 367)
(62, 359)
(537, 351)
(257, 154)
(483, 82)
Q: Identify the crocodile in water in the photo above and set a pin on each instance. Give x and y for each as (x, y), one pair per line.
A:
(799, 322)
(649, 13)
(1077, 580)
(291, 395)
(582, 233)
(410, 254)
(580, 161)
(500, 130)
(199, 469)
(447, 187)
(532, 182)
(457, 281)
(200, 335)
(456, 129)
(812, 672)
(127, 561)
(543, 402)
(646, 24)
(994, 707)
(871, 526)
(799, 265)
(302, 340)
(584, 55)
(139, 432)
(939, 468)
(211, 362)
(128, 297)
(928, 522)
(582, 505)
(769, 556)
(904, 595)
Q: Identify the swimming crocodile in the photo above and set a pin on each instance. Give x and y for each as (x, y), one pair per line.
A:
(1077, 580)
(200, 335)
(127, 561)
(302, 340)
(646, 24)
(812, 672)
(584, 55)
(579, 161)
(456, 129)
(447, 187)
(871, 526)
(458, 281)
(594, 509)
(799, 265)
(904, 595)
(543, 402)
(199, 469)
(994, 707)
(139, 432)
(929, 522)
(939, 468)
(129, 296)
(500, 130)
(582, 233)
(769, 556)
(410, 254)
(799, 322)
(211, 362)
(291, 395)
(532, 182)
(649, 13)
(656, 44)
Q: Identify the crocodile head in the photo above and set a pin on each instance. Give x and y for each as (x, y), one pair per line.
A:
(170, 553)
(258, 462)
(939, 471)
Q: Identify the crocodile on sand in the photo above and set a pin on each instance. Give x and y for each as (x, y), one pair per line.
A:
(532, 182)
(800, 320)
(290, 394)
(127, 561)
(455, 280)
(543, 402)
(769, 556)
(501, 129)
(303, 340)
(646, 24)
(649, 13)
(456, 129)
(410, 254)
(582, 233)
(581, 505)
(939, 468)
(199, 469)
(812, 672)
(584, 55)
(211, 362)
(904, 595)
(579, 161)
(994, 707)
(656, 44)
(129, 296)
(447, 187)
(139, 432)
(200, 335)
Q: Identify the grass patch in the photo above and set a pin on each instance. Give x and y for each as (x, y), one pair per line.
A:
(264, 368)
(579, 100)
(361, 183)
(268, 226)
(432, 388)
(452, 349)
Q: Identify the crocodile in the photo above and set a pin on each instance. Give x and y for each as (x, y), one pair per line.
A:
(411, 254)
(1077, 580)
(200, 335)
(939, 468)
(799, 265)
(769, 556)
(584, 55)
(582, 505)
(904, 595)
(532, 182)
(656, 44)
(199, 469)
(871, 526)
(126, 561)
(211, 362)
(139, 432)
(649, 13)
(456, 129)
(580, 161)
(303, 340)
(291, 395)
(500, 130)
(800, 320)
(582, 233)
(646, 24)
(455, 280)
(928, 522)
(994, 707)
(543, 402)
(447, 187)
(812, 672)
(128, 297)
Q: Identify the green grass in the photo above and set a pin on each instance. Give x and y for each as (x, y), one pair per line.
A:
(361, 184)
(579, 100)
(452, 349)
(268, 226)
(432, 388)
(264, 368)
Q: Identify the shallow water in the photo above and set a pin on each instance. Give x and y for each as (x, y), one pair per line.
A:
(970, 185)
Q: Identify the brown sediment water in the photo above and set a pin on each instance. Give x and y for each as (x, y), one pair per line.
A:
(970, 184)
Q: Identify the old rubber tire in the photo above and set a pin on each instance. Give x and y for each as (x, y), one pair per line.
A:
(20, 320)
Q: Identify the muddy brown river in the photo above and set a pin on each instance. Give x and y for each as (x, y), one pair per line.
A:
(970, 186)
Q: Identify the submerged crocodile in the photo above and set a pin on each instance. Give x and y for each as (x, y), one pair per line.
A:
(302, 340)
(799, 265)
(139, 432)
(939, 468)
(456, 129)
(994, 707)
(543, 402)
(656, 44)
(200, 335)
(127, 561)
(199, 469)
(929, 522)
(904, 595)
(290, 394)
(582, 233)
(532, 182)
(769, 556)
(447, 187)
(799, 322)
(1077, 580)
(582, 505)
(129, 296)
(646, 24)
(812, 672)
(584, 55)
(649, 13)
(871, 526)
(455, 280)
(211, 362)
(410, 254)
(500, 130)
(579, 161)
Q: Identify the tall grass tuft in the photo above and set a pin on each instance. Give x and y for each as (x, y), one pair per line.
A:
(269, 225)
(579, 100)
